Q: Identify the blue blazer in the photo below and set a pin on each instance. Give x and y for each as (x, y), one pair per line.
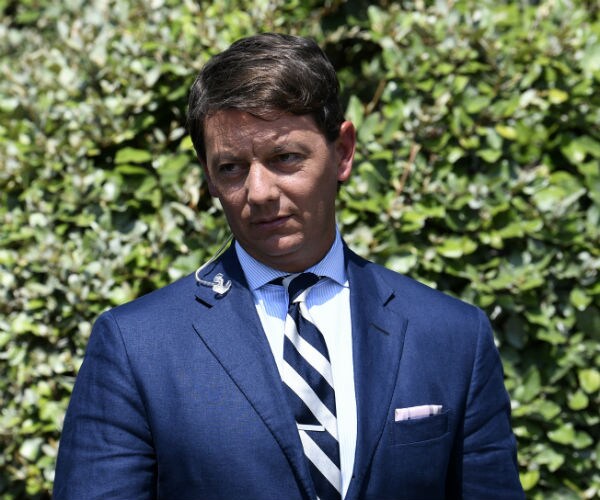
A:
(179, 398)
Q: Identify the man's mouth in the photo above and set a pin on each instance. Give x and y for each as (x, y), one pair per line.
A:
(271, 222)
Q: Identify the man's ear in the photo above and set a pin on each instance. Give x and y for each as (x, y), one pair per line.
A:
(345, 146)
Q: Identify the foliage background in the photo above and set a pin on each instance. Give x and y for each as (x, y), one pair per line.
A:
(477, 173)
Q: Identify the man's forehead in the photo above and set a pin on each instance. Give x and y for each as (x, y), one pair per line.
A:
(228, 127)
(237, 117)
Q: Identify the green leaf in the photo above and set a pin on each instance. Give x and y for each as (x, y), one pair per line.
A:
(589, 380)
(578, 401)
(132, 155)
(550, 458)
(529, 479)
(548, 409)
(531, 386)
(454, 248)
(565, 434)
(490, 155)
(128, 169)
(355, 111)
(30, 448)
(476, 103)
(590, 62)
(579, 299)
(506, 132)
(582, 440)
(577, 149)
(402, 263)
(557, 96)
(549, 198)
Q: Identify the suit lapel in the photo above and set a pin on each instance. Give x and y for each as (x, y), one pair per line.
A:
(230, 328)
(377, 338)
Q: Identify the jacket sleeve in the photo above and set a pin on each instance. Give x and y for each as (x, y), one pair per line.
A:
(489, 467)
(106, 445)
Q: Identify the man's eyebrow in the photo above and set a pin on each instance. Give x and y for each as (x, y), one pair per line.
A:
(293, 145)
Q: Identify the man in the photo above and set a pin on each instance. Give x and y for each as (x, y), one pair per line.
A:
(212, 388)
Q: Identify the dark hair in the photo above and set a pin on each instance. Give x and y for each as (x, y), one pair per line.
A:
(266, 75)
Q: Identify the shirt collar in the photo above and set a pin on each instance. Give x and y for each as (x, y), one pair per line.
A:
(331, 266)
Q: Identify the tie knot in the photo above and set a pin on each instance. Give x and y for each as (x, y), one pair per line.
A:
(296, 284)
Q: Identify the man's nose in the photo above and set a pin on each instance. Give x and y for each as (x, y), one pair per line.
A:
(261, 184)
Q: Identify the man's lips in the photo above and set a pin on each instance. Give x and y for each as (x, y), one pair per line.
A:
(271, 222)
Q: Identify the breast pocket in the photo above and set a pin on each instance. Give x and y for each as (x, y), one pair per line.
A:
(420, 430)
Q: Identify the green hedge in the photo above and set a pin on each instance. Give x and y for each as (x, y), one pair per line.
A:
(478, 172)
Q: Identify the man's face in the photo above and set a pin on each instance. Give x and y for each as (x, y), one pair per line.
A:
(277, 182)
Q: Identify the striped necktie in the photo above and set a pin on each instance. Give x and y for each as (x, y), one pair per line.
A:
(309, 387)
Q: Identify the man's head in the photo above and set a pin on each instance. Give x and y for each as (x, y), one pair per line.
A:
(269, 131)
(265, 75)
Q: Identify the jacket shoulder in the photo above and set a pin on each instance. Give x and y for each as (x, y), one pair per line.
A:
(170, 301)
(413, 295)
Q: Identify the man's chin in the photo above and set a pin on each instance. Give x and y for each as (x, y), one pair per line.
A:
(281, 253)
(280, 250)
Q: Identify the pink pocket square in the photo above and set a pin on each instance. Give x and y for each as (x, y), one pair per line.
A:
(414, 412)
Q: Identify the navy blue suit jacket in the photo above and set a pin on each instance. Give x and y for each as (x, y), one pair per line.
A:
(179, 398)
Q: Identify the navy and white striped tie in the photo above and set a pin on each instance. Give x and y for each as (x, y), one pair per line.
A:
(309, 386)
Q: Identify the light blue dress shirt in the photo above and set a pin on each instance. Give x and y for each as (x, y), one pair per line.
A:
(328, 303)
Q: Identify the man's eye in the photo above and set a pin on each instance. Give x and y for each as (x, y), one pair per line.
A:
(229, 168)
(288, 158)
